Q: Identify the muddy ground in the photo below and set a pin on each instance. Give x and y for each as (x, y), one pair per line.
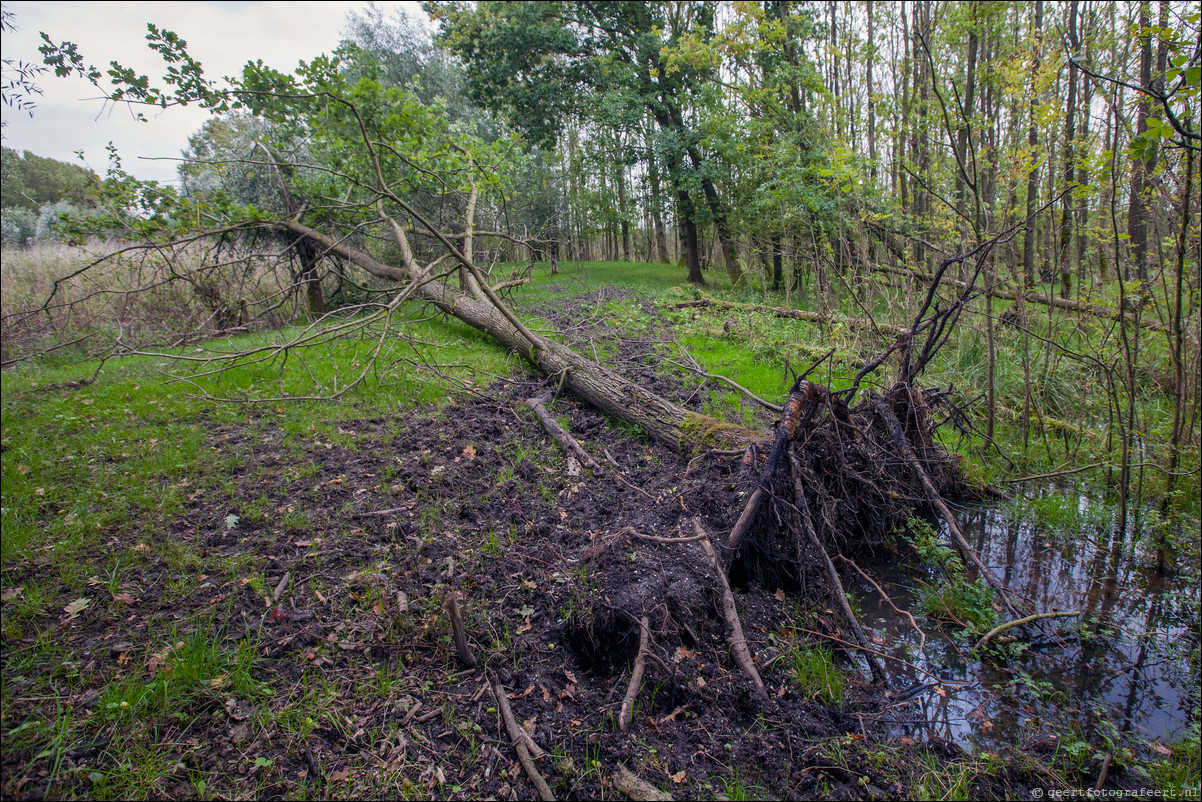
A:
(377, 530)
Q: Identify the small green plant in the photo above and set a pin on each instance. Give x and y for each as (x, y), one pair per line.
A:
(816, 674)
(961, 601)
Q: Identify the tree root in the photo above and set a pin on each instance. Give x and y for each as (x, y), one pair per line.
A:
(894, 427)
(564, 440)
(922, 636)
(637, 788)
(735, 637)
(837, 591)
(636, 675)
(519, 743)
(744, 523)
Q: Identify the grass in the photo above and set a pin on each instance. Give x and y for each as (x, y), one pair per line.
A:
(816, 674)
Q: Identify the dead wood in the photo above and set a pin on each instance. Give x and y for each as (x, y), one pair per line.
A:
(836, 588)
(520, 739)
(1019, 622)
(565, 441)
(461, 646)
(744, 523)
(735, 637)
(637, 788)
(632, 532)
(636, 675)
(906, 450)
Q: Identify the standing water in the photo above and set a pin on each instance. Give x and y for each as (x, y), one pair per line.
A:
(1128, 663)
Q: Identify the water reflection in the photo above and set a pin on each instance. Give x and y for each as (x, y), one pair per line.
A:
(1129, 660)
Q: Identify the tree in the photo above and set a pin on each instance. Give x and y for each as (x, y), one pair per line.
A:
(375, 150)
(542, 63)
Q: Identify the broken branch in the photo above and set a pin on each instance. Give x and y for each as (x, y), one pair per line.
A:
(1019, 622)
(636, 675)
(564, 440)
(519, 743)
(461, 646)
(637, 788)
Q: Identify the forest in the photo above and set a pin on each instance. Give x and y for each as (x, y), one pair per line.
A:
(648, 400)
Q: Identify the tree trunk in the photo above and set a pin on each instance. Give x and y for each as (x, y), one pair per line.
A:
(657, 217)
(1137, 206)
(1033, 142)
(670, 424)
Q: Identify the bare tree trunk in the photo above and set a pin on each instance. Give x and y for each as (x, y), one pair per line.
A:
(657, 217)
(1033, 142)
(1137, 206)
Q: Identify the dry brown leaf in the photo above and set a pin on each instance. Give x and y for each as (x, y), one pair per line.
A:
(678, 777)
(122, 598)
(779, 595)
(469, 452)
(1160, 748)
(76, 607)
(906, 740)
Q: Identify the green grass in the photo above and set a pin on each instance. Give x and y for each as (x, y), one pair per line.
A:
(816, 674)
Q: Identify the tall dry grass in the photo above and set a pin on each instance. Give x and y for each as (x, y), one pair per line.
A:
(103, 297)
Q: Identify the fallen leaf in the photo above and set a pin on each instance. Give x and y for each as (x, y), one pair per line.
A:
(526, 627)
(571, 677)
(339, 776)
(22, 469)
(40, 491)
(779, 595)
(678, 777)
(122, 598)
(1160, 748)
(9, 594)
(523, 694)
(546, 693)
(76, 607)
(987, 725)
(469, 452)
(238, 709)
(941, 692)
(529, 724)
(906, 740)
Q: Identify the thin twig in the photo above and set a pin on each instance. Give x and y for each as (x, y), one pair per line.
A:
(735, 637)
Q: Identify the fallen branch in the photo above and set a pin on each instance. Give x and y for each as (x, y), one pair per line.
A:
(701, 372)
(519, 743)
(561, 437)
(922, 636)
(735, 637)
(461, 646)
(1019, 622)
(637, 788)
(636, 675)
(281, 587)
(893, 425)
(632, 532)
(878, 671)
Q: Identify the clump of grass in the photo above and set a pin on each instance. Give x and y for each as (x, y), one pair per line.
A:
(969, 603)
(815, 673)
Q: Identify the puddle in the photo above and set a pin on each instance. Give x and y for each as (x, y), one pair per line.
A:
(1139, 672)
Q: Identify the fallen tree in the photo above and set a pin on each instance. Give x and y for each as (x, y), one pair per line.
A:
(840, 473)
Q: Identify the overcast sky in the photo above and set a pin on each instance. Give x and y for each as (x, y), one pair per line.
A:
(221, 36)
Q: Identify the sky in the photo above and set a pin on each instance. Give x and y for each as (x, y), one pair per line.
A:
(221, 36)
